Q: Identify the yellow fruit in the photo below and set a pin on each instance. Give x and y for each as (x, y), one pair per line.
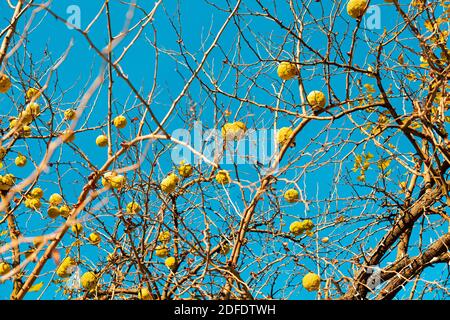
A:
(233, 130)
(68, 136)
(53, 212)
(283, 136)
(25, 132)
(316, 99)
(308, 225)
(223, 177)
(171, 263)
(309, 233)
(224, 248)
(7, 181)
(70, 114)
(25, 117)
(165, 236)
(287, 70)
(356, 8)
(55, 199)
(33, 203)
(296, 228)
(5, 83)
(185, 170)
(33, 109)
(133, 207)
(89, 280)
(33, 94)
(77, 229)
(94, 238)
(120, 122)
(113, 180)
(66, 268)
(20, 161)
(161, 251)
(169, 183)
(311, 282)
(101, 141)
(5, 268)
(325, 239)
(13, 123)
(291, 195)
(144, 294)
(37, 193)
(64, 211)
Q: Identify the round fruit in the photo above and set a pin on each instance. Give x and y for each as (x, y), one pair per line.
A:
(94, 238)
(120, 122)
(161, 251)
(5, 268)
(70, 114)
(55, 199)
(37, 193)
(291, 195)
(311, 282)
(283, 136)
(66, 268)
(185, 170)
(77, 229)
(64, 211)
(133, 207)
(33, 94)
(223, 177)
(89, 280)
(53, 212)
(287, 70)
(356, 8)
(5, 83)
(316, 99)
(165, 236)
(20, 161)
(171, 263)
(169, 183)
(101, 141)
(68, 136)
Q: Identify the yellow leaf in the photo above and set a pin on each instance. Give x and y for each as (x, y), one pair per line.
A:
(36, 287)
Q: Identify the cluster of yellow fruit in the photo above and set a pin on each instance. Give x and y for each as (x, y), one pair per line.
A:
(356, 8)
(66, 268)
(169, 183)
(113, 180)
(133, 207)
(89, 280)
(5, 83)
(53, 211)
(287, 70)
(298, 227)
(33, 200)
(144, 294)
(21, 123)
(311, 282)
(101, 141)
(291, 195)
(233, 130)
(185, 170)
(7, 181)
(5, 268)
(223, 177)
(162, 251)
(283, 136)
(120, 122)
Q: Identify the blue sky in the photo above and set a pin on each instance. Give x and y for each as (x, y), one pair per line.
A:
(82, 65)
